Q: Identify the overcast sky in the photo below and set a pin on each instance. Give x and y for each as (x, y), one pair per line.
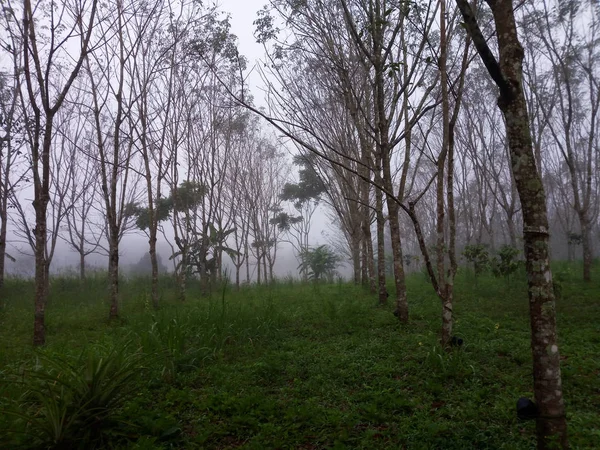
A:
(243, 14)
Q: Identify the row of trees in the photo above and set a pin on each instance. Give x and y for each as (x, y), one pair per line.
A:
(398, 102)
(118, 119)
(136, 116)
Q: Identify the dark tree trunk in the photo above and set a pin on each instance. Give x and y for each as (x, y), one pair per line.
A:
(401, 310)
(113, 277)
(154, 263)
(508, 75)
(382, 290)
(3, 227)
(40, 204)
(82, 265)
(258, 264)
(586, 246)
(247, 258)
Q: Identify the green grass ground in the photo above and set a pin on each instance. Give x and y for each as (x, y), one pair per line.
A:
(299, 366)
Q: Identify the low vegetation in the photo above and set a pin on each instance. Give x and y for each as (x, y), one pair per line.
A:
(288, 366)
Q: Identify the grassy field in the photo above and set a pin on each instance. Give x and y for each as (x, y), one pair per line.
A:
(288, 366)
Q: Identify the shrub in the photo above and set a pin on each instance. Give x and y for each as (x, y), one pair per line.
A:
(506, 262)
(477, 255)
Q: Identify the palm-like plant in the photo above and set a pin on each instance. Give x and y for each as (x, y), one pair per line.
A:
(317, 263)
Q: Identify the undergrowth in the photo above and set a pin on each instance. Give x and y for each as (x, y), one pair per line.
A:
(288, 366)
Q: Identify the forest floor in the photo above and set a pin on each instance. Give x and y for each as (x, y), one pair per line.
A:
(288, 366)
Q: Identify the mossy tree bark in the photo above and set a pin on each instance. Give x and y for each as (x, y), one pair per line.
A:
(507, 73)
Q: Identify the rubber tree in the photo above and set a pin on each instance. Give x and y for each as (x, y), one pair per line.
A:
(507, 73)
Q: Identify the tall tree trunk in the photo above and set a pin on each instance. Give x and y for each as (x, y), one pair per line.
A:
(39, 329)
(401, 310)
(258, 264)
(370, 260)
(586, 245)
(446, 280)
(508, 75)
(182, 274)
(40, 204)
(363, 270)
(266, 281)
(3, 227)
(356, 254)
(247, 257)
(82, 264)
(154, 263)
(182, 285)
(113, 276)
(382, 290)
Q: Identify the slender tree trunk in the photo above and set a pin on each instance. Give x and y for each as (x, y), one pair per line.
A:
(363, 271)
(182, 286)
(370, 261)
(39, 329)
(113, 276)
(82, 265)
(401, 310)
(446, 280)
(40, 204)
(154, 263)
(399, 276)
(182, 275)
(3, 227)
(266, 281)
(258, 264)
(382, 290)
(508, 75)
(586, 245)
(247, 263)
(356, 256)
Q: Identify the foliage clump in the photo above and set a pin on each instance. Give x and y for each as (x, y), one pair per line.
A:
(506, 262)
(319, 263)
(478, 255)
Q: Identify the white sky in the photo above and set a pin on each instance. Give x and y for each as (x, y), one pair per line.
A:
(243, 14)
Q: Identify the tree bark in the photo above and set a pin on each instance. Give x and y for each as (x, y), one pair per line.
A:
(363, 272)
(586, 245)
(370, 260)
(508, 75)
(113, 276)
(40, 204)
(82, 265)
(3, 227)
(382, 290)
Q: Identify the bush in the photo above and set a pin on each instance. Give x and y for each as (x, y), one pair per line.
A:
(477, 255)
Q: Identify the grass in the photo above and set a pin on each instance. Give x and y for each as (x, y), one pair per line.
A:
(307, 367)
